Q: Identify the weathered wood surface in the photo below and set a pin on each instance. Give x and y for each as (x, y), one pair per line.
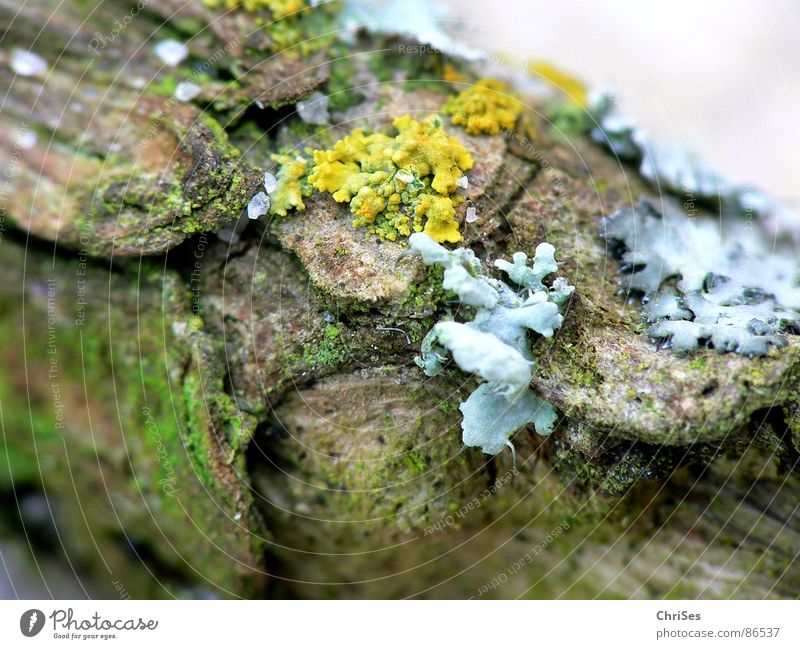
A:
(245, 418)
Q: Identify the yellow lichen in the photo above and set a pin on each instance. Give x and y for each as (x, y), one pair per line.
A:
(485, 107)
(396, 184)
(279, 8)
(291, 24)
(452, 74)
(291, 185)
(571, 87)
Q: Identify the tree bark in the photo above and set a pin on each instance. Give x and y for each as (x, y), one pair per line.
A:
(243, 417)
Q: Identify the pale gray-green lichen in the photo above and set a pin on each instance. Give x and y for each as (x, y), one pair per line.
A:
(494, 346)
(718, 282)
(675, 170)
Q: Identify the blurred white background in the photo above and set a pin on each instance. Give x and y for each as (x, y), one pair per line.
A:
(722, 77)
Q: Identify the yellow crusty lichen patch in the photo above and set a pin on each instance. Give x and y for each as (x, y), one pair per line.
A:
(452, 74)
(571, 87)
(279, 8)
(292, 185)
(396, 184)
(485, 107)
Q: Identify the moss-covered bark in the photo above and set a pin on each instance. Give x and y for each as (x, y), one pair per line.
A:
(245, 417)
(113, 404)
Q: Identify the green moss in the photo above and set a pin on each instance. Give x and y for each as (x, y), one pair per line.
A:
(568, 119)
(425, 297)
(190, 199)
(447, 407)
(340, 91)
(164, 86)
(296, 25)
(791, 408)
(699, 363)
(291, 24)
(151, 436)
(189, 25)
(219, 132)
(332, 332)
(414, 72)
(328, 353)
(415, 463)
(27, 435)
(575, 364)
(303, 132)
(381, 66)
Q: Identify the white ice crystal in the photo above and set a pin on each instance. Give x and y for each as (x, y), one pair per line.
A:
(171, 52)
(27, 64)
(270, 182)
(25, 139)
(187, 90)
(258, 206)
